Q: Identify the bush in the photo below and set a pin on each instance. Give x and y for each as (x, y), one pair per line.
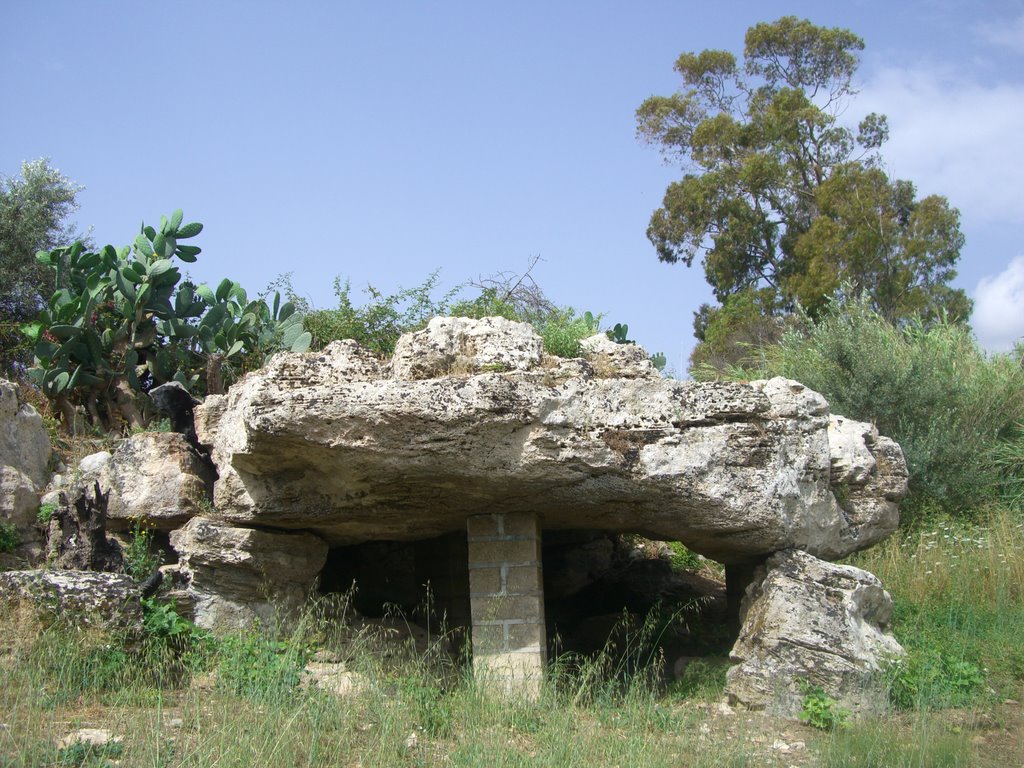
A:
(9, 538)
(930, 388)
(377, 324)
(563, 331)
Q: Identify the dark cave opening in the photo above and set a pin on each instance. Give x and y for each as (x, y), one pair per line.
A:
(599, 590)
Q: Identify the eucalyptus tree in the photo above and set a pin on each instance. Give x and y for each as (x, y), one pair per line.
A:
(781, 200)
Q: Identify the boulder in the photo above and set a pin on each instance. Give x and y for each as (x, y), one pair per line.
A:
(158, 478)
(471, 417)
(808, 623)
(19, 502)
(24, 443)
(624, 361)
(239, 576)
(101, 600)
(462, 346)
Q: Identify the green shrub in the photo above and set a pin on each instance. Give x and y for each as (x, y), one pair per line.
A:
(1008, 458)
(928, 387)
(487, 304)
(45, 513)
(9, 539)
(927, 678)
(684, 559)
(563, 330)
(378, 323)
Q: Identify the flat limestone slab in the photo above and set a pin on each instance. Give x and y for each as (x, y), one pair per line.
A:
(354, 448)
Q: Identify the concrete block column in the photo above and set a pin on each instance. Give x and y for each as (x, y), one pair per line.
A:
(507, 601)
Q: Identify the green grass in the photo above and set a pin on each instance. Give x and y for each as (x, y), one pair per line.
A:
(182, 699)
(958, 591)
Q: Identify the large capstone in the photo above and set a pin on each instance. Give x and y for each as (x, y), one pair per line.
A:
(351, 448)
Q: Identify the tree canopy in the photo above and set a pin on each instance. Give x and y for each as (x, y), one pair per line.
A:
(781, 201)
(34, 213)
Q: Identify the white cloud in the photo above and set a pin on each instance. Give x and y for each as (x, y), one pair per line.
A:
(998, 318)
(954, 137)
(1008, 34)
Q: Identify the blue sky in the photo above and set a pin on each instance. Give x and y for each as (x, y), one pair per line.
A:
(382, 141)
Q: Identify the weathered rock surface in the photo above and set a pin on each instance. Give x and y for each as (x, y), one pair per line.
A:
(623, 361)
(354, 449)
(812, 623)
(158, 478)
(19, 501)
(24, 443)
(240, 576)
(458, 344)
(104, 600)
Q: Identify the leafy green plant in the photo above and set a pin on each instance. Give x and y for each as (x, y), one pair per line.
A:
(1008, 459)
(9, 538)
(45, 513)
(139, 559)
(563, 330)
(929, 678)
(487, 304)
(702, 677)
(819, 710)
(378, 323)
(85, 755)
(684, 559)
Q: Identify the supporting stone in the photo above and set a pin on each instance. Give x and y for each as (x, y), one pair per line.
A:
(507, 601)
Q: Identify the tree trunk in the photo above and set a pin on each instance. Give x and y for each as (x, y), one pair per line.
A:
(125, 399)
(67, 414)
(214, 382)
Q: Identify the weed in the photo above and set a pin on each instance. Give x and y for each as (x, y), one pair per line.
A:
(702, 678)
(865, 745)
(819, 710)
(927, 678)
(89, 755)
(254, 666)
(139, 559)
(684, 559)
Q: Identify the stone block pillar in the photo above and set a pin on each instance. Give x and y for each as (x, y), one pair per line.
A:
(507, 601)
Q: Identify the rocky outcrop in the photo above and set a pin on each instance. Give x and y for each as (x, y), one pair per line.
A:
(19, 500)
(462, 346)
(24, 443)
(154, 478)
(471, 417)
(808, 623)
(239, 576)
(102, 600)
(24, 470)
